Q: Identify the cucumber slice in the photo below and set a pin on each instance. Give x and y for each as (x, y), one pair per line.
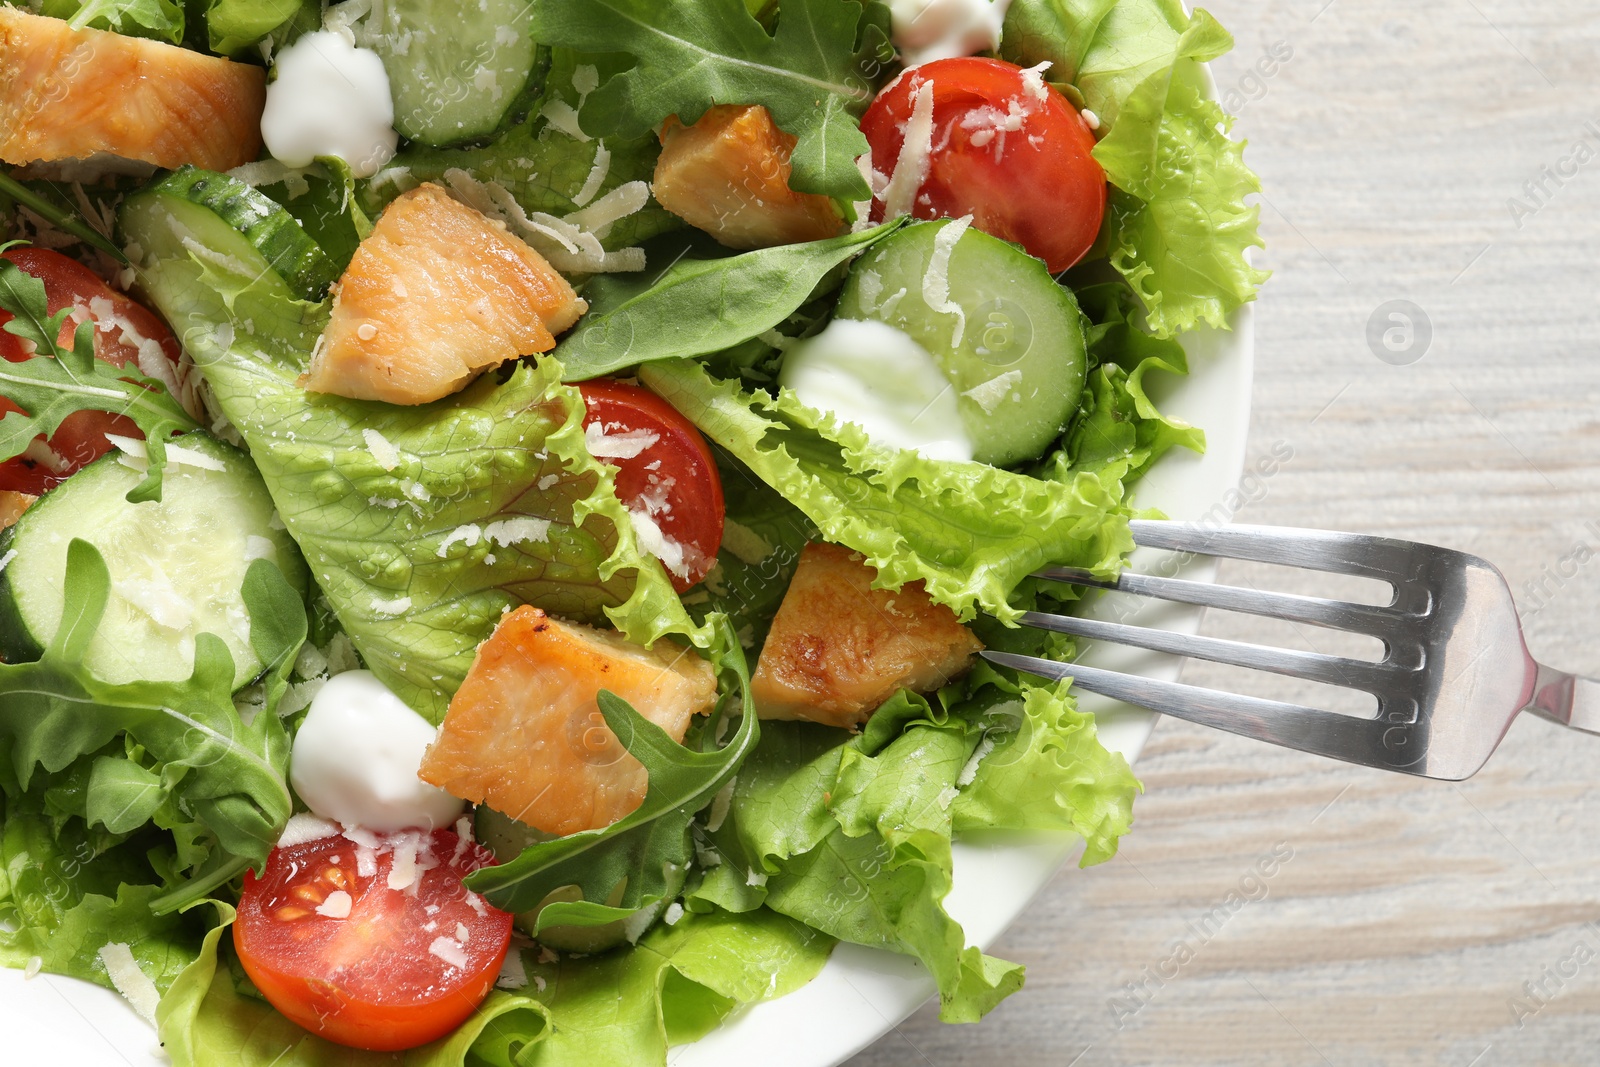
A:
(454, 69)
(1019, 362)
(222, 214)
(177, 565)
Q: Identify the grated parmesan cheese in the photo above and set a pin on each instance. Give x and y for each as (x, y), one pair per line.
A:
(626, 445)
(658, 544)
(387, 456)
(597, 175)
(508, 532)
(936, 281)
(463, 535)
(337, 906)
(135, 454)
(403, 869)
(989, 394)
(911, 168)
(513, 974)
(449, 951)
(391, 608)
(135, 986)
(305, 827)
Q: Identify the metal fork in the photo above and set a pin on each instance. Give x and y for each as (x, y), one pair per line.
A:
(1455, 670)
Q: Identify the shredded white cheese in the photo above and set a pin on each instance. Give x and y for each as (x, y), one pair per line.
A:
(936, 280)
(658, 544)
(911, 168)
(129, 980)
(403, 869)
(597, 175)
(449, 951)
(461, 535)
(617, 445)
(508, 532)
(392, 608)
(305, 827)
(513, 974)
(337, 906)
(386, 454)
(674, 913)
(135, 454)
(989, 394)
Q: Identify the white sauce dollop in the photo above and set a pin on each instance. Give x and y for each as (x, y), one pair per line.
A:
(330, 98)
(356, 756)
(877, 377)
(926, 30)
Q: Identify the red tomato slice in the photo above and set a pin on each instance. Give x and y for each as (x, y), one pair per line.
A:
(121, 326)
(1036, 184)
(376, 968)
(665, 471)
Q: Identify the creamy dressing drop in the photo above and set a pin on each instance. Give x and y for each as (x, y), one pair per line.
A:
(356, 756)
(330, 98)
(877, 377)
(926, 30)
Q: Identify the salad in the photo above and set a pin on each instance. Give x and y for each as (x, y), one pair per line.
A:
(503, 503)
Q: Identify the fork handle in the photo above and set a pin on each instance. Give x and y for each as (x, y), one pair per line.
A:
(1568, 699)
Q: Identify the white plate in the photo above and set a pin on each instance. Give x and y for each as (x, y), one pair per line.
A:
(861, 993)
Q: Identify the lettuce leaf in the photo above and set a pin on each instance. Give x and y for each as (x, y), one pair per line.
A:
(234, 25)
(160, 20)
(971, 532)
(1177, 226)
(409, 554)
(622, 1008)
(65, 891)
(224, 773)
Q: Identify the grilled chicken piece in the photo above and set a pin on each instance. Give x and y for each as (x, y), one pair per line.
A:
(524, 733)
(839, 648)
(12, 505)
(728, 175)
(75, 94)
(437, 294)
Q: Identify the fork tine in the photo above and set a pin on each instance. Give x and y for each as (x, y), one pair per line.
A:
(1314, 666)
(1372, 742)
(1334, 614)
(1338, 553)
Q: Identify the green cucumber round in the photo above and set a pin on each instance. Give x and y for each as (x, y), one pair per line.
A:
(177, 565)
(1016, 353)
(454, 69)
(221, 214)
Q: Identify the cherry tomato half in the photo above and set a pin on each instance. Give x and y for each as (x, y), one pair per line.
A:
(665, 471)
(361, 964)
(121, 326)
(1007, 149)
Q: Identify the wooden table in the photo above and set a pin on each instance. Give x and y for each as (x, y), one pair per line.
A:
(1404, 921)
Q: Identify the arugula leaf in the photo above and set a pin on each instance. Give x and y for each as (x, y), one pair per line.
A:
(811, 74)
(160, 20)
(621, 1008)
(682, 781)
(969, 531)
(63, 217)
(56, 382)
(228, 774)
(415, 598)
(696, 306)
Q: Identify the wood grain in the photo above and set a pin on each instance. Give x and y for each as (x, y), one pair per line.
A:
(1409, 914)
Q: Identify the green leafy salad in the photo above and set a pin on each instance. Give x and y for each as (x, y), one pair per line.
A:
(502, 505)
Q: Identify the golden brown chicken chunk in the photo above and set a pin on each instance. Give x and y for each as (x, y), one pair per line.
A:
(524, 733)
(436, 294)
(839, 648)
(728, 175)
(74, 94)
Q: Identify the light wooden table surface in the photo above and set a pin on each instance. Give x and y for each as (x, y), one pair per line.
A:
(1413, 922)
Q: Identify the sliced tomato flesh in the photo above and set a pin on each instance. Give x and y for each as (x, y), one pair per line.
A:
(666, 473)
(375, 948)
(125, 332)
(1006, 149)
